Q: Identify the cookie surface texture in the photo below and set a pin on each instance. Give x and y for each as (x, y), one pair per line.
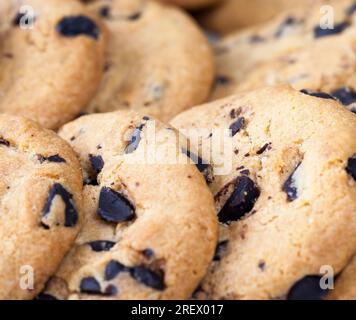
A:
(146, 235)
(40, 205)
(158, 60)
(289, 199)
(51, 59)
(277, 51)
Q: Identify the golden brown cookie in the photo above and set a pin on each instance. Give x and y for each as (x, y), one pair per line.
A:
(290, 197)
(327, 66)
(158, 61)
(146, 234)
(277, 43)
(40, 205)
(51, 60)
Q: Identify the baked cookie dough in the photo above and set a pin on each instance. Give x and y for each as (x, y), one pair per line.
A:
(146, 234)
(290, 198)
(51, 59)
(158, 61)
(40, 205)
(245, 52)
(327, 66)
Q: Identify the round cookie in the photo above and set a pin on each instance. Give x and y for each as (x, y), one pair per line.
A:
(290, 197)
(51, 60)
(327, 66)
(345, 285)
(241, 53)
(40, 203)
(158, 61)
(192, 4)
(230, 15)
(146, 235)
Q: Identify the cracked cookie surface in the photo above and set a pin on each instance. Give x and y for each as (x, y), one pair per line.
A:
(40, 205)
(290, 198)
(51, 59)
(146, 235)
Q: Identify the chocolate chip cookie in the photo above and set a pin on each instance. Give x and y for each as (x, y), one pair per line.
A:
(290, 198)
(146, 234)
(158, 61)
(51, 60)
(245, 52)
(40, 205)
(326, 66)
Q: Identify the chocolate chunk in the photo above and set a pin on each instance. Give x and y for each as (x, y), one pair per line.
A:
(113, 268)
(338, 28)
(148, 277)
(256, 39)
(202, 165)
(90, 182)
(262, 265)
(237, 126)
(55, 158)
(4, 142)
(45, 296)
(245, 172)
(104, 11)
(110, 290)
(321, 95)
(351, 10)
(74, 26)
(135, 139)
(289, 21)
(90, 285)
(135, 16)
(101, 245)
(345, 95)
(308, 288)
(71, 215)
(351, 167)
(220, 248)
(234, 113)
(148, 253)
(97, 163)
(263, 149)
(241, 201)
(114, 207)
(289, 186)
(221, 80)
